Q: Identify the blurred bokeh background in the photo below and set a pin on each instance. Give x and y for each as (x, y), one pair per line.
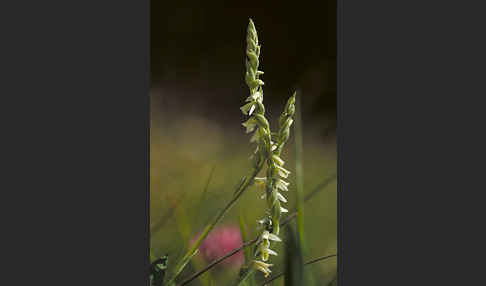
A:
(197, 86)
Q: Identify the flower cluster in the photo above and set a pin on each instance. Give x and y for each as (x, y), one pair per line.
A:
(267, 150)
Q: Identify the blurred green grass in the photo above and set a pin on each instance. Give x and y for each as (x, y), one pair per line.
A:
(183, 152)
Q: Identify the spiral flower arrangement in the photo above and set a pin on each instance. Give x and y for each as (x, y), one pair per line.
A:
(267, 151)
(269, 146)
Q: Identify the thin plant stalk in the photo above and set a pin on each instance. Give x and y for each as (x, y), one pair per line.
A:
(299, 182)
(321, 186)
(217, 261)
(192, 251)
(157, 226)
(246, 250)
(233, 252)
(205, 190)
(287, 220)
(244, 236)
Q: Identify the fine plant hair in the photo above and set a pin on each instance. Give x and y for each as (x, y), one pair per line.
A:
(269, 146)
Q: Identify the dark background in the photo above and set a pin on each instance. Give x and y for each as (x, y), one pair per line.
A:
(75, 172)
(199, 47)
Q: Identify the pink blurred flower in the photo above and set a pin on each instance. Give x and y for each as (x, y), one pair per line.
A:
(219, 242)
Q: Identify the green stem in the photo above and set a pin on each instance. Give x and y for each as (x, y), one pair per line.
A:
(289, 218)
(244, 236)
(239, 191)
(233, 252)
(212, 264)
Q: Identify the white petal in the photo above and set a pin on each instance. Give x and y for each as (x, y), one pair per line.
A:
(252, 108)
(265, 234)
(284, 182)
(254, 96)
(271, 252)
(273, 237)
(283, 172)
(284, 210)
(277, 158)
(281, 198)
(282, 185)
(266, 271)
(290, 121)
(246, 107)
(263, 264)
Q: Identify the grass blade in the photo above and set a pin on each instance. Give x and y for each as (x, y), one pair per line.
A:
(215, 262)
(205, 190)
(247, 251)
(170, 212)
(294, 264)
(299, 171)
(244, 237)
(320, 187)
(239, 191)
(284, 222)
(299, 181)
(182, 265)
(233, 252)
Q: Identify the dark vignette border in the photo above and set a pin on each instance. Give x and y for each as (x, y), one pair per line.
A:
(410, 76)
(75, 161)
(339, 129)
(76, 102)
